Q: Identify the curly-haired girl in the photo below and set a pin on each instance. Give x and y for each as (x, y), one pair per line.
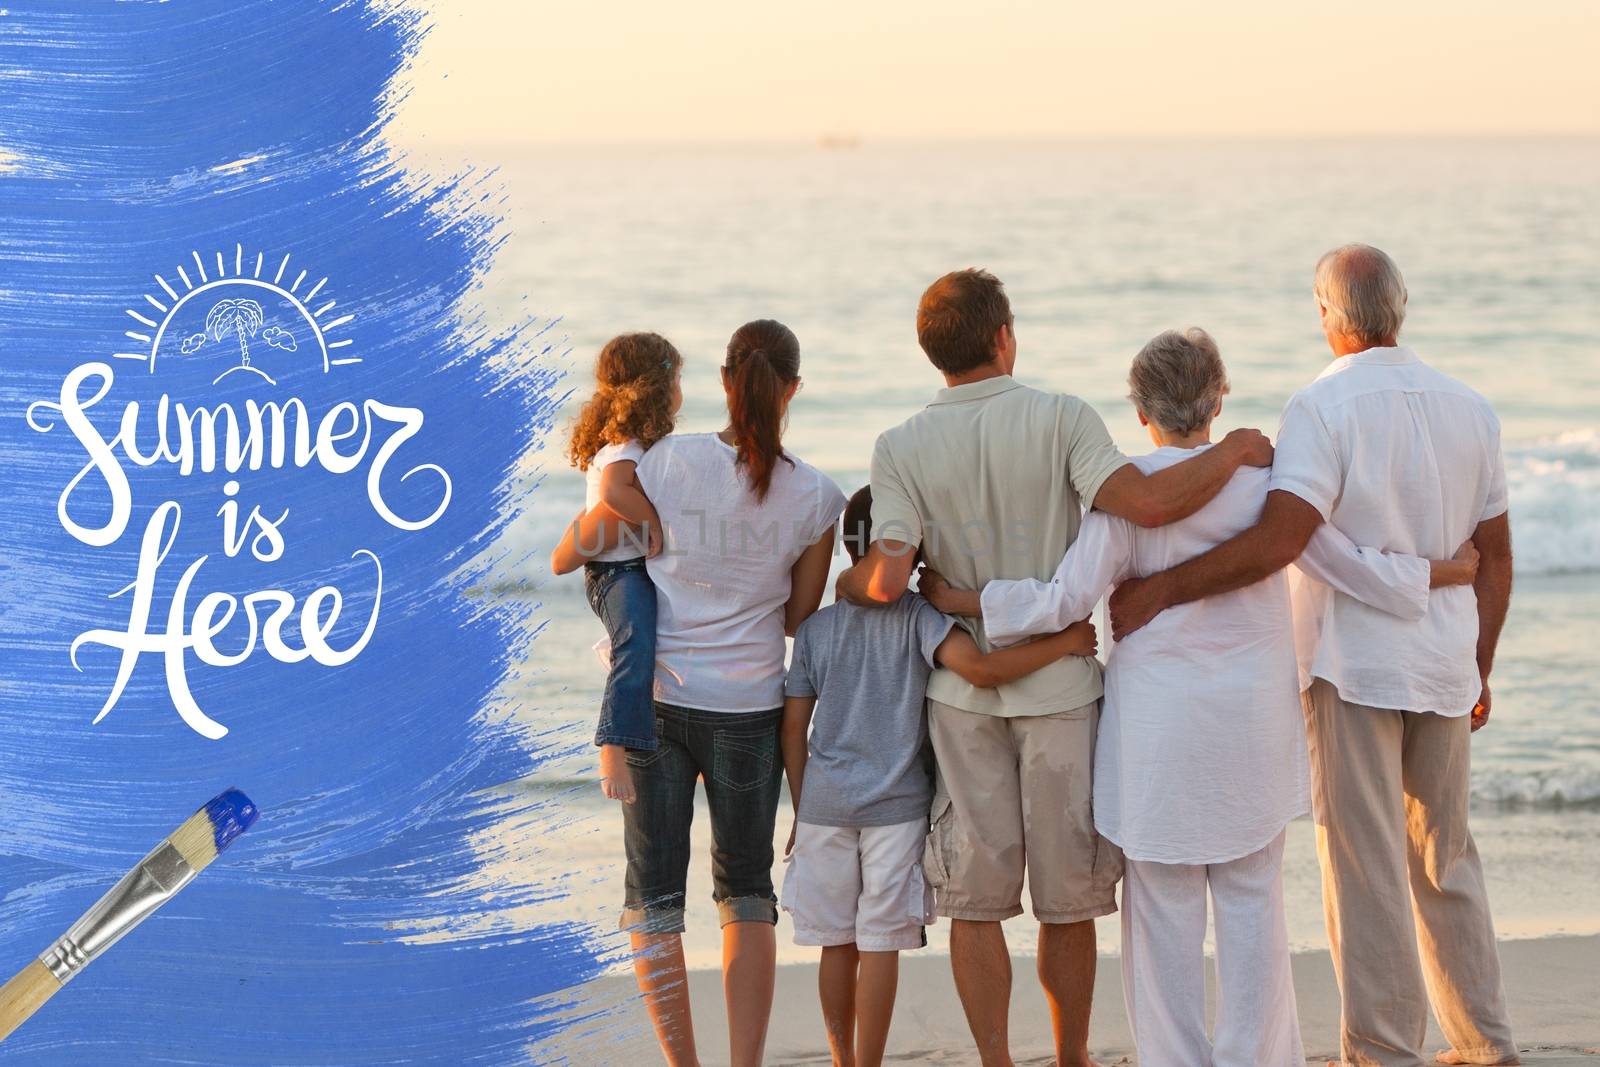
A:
(636, 398)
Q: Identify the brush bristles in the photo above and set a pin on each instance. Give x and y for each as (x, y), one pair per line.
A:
(196, 840)
(213, 828)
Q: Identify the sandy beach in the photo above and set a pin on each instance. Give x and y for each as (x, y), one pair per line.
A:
(1553, 983)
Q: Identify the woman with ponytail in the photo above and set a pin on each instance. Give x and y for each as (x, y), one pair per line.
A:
(749, 533)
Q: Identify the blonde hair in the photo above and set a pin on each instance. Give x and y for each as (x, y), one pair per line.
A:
(634, 376)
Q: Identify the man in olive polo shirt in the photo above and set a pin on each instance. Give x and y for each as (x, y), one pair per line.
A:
(990, 481)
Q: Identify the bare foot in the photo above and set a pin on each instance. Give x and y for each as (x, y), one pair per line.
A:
(1450, 1055)
(616, 777)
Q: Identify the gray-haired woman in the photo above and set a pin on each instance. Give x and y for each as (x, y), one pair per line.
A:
(1200, 760)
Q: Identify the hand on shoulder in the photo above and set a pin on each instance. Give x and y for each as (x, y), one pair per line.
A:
(1254, 446)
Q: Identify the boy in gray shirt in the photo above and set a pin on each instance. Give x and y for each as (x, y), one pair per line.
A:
(862, 786)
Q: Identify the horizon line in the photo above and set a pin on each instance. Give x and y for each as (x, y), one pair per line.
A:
(856, 140)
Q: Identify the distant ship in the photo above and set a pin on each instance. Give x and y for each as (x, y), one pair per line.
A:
(838, 141)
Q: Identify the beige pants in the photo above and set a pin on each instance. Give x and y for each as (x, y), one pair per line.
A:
(1402, 887)
(1013, 797)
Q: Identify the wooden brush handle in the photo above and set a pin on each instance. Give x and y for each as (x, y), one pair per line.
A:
(22, 996)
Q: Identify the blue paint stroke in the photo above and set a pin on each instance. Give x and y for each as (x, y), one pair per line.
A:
(148, 151)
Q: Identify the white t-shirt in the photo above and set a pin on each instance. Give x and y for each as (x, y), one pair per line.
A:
(723, 578)
(1405, 459)
(1201, 752)
(632, 453)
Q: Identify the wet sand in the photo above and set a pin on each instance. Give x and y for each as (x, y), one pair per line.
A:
(1553, 984)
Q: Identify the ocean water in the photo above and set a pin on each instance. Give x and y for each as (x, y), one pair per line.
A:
(1101, 245)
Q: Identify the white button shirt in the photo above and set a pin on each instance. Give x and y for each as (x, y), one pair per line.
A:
(1405, 459)
(1201, 754)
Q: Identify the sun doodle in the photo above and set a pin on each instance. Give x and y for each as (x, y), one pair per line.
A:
(229, 311)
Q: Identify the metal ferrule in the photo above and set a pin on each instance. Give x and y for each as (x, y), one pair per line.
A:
(156, 879)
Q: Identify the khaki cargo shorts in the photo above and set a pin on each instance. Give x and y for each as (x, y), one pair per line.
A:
(1014, 797)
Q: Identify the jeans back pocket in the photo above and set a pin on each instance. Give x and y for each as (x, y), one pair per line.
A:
(742, 760)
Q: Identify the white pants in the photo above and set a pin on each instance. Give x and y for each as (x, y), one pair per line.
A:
(1163, 963)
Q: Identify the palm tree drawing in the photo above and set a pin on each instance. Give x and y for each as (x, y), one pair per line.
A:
(240, 320)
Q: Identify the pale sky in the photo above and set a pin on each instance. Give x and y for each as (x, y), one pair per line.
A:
(509, 71)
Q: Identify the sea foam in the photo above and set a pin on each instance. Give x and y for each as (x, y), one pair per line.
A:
(1552, 788)
(1555, 503)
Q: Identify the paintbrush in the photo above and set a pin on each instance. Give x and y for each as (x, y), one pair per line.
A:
(169, 867)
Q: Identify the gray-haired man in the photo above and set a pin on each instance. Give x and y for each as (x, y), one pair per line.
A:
(1404, 459)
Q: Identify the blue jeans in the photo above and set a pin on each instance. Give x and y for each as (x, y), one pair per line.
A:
(623, 597)
(737, 755)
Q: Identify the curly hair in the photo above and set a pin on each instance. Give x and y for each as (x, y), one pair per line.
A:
(632, 400)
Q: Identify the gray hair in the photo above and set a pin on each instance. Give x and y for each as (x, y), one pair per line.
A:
(1363, 292)
(1177, 380)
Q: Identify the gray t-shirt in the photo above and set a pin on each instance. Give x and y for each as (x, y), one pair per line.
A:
(868, 669)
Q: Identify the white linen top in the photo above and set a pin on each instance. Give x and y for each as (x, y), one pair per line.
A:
(723, 577)
(1201, 754)
(1405, 459)
(630, 545)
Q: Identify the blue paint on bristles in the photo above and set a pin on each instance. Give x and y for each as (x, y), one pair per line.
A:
(231, 814)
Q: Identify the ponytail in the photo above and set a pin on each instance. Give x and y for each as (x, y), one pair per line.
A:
(763, 361)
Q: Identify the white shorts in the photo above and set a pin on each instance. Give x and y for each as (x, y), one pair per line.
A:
(863, 886)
